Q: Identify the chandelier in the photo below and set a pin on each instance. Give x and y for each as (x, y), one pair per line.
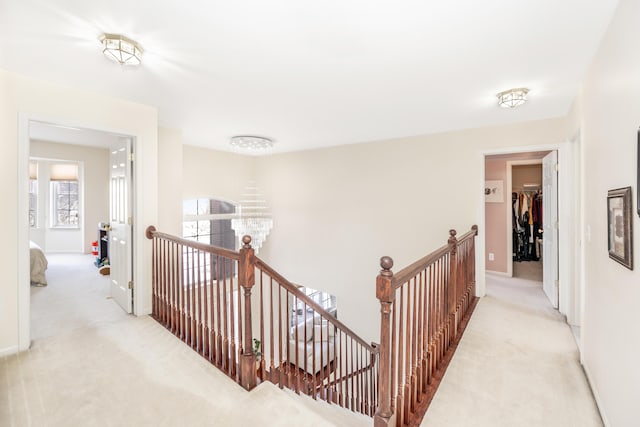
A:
(513, 98)
(253, 217)
(121, 49)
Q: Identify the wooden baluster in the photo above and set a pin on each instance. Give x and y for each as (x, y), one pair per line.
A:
(385, 293)
(179, 287)
(453, 283)
(420, 340)
(414, 348)
(211, 305)
(230, 318)
(271, 339)
(281, 359)
(226, 357)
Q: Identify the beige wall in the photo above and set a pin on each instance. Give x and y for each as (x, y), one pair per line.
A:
(610, 103)
(216, 173)
(338, 210)
(496, 218)
(170, 172)
(95, 183)
(21, 97)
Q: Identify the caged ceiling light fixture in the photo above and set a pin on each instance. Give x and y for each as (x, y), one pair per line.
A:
(121, 49)
(513, 98)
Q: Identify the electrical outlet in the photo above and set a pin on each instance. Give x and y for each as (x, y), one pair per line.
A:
(491, 256)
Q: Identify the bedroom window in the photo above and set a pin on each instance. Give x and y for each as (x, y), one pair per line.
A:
(33, 194)
(65, 195)
(209, 221)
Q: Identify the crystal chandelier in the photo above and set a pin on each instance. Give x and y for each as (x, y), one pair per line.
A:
(513, 98)
(253, 217)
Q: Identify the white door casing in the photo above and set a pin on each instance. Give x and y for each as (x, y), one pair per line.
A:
(120, 218)
(550, 226)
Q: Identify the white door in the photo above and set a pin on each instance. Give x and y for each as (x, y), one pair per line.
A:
(120, 243)
(550, 226)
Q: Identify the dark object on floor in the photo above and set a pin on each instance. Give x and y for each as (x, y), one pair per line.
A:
(105, 270)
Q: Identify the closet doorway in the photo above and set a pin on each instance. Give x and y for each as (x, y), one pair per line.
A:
(526, 195)
(521, 223)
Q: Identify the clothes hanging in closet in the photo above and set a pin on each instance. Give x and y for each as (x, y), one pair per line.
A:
(527, 225)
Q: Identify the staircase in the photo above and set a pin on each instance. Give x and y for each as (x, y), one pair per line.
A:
(255, 325)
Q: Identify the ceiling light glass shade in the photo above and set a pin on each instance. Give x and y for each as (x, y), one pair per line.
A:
(251, 144)
(121, 49)
(512, 98)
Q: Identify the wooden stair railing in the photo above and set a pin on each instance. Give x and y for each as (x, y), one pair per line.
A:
(422, 309)
(205, 296)
(307, 349)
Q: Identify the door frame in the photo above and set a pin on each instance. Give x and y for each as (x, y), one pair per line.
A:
(509, 207)
(23, 285)
(569, 186)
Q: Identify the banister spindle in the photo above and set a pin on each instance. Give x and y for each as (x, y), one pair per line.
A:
(385, 292)
(453, 284)
(246, 278)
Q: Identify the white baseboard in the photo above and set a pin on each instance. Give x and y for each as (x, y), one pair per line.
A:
(498, 273)
(596, 396)
(9, 350)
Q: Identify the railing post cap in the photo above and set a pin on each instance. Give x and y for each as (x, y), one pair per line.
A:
(246, 239)
(452, 236)
(474, 227)
(386, 262)
(149, 232)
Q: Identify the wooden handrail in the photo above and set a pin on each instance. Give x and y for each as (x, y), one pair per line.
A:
(151, 232)
(404, 275)
(422, 308)
(203, 294)
(208, 296)
(293, 289)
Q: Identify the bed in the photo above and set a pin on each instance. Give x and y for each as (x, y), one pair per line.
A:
(38, 265)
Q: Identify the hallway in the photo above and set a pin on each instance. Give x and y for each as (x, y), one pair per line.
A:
(516, 365)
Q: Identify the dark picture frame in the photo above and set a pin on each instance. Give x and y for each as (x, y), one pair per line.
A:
(620, 226)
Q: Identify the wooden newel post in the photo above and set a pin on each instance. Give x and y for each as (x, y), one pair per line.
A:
(453, 281)
(246, 280)
(385, 292)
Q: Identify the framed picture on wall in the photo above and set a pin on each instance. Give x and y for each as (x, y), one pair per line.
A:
(620, 226)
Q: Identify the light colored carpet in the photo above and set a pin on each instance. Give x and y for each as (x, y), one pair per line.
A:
(93, 365)
(530, 270)
(517, 365)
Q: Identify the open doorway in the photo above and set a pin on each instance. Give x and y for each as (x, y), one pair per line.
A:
(521, 233)
(71, 208)
(527, 200)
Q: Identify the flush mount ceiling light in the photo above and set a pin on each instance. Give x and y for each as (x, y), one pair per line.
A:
(251, 144)
(513, 98)
(121, 49)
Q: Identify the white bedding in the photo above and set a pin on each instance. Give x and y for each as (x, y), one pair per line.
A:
(38, 265)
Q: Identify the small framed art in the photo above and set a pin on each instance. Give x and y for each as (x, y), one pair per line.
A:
(620, 226)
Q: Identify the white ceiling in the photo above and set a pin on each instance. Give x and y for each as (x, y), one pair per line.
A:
(314, 73)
